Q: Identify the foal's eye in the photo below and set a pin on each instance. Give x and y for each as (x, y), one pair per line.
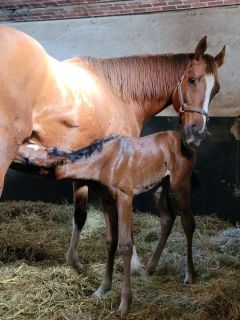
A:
(192, 80)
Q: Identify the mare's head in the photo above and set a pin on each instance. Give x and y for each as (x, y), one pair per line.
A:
(195, 90)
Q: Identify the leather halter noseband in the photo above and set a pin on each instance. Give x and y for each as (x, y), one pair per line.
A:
(183, 106)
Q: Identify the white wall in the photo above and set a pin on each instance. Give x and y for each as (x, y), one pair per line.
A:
(151, 33)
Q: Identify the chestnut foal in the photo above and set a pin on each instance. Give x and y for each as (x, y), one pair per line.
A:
(118, 168)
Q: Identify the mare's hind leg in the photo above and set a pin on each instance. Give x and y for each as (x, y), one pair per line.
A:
(167, 218)
(111, 219)
(182, 192)
(79, 219)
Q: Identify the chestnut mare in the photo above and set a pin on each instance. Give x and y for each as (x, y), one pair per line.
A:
(117, 168)
(70, 104)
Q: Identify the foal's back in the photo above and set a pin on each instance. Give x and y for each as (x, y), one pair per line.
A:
(143, 162)
(133, 165)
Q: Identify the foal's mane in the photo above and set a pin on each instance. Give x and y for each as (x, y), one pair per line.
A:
(137, 78)
(86, 152)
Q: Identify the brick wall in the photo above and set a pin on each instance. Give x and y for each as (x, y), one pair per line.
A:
(30, 10)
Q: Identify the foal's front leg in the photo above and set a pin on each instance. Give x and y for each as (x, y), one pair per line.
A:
(111, 220)
(167, 218)
(182, 192)
(125, 246)
(80, 194)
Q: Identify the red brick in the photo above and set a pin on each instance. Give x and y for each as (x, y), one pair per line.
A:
(198, 5)
(169, 8)
(231, 2)
(183, 6)
(175, 2)
(216, 3)
(144, 5)
(190, 1)
(65, 9)
(155, 9)
(162, 3)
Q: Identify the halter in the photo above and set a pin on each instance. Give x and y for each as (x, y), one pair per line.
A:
(183, 106)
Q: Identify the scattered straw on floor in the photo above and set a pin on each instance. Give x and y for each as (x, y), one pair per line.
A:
(35, 282)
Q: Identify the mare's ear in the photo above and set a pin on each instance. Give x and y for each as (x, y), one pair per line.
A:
(200, 48)
(219, 59)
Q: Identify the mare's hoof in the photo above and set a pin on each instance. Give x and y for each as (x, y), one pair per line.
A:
(99, 293)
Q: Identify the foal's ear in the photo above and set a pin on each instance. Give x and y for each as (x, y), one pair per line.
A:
(219, 59)
(201, 48)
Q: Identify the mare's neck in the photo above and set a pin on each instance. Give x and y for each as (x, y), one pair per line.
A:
(171, 69)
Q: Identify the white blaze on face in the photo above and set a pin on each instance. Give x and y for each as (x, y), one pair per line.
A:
(210, 80)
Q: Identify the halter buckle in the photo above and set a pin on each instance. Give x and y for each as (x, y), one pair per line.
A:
(182, 109)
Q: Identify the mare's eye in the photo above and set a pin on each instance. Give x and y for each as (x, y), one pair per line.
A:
(192, 79)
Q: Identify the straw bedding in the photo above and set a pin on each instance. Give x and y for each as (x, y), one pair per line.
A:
(35, 282)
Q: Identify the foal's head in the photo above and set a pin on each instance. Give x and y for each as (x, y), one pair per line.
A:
(195, 90)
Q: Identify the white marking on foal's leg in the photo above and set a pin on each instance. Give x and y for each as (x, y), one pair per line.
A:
(72, 255)
(210, 80)
(136, 265)
(33, 146)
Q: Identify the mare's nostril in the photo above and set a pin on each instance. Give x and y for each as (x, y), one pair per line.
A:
(26, 161)
(192, 130)
(195, 129)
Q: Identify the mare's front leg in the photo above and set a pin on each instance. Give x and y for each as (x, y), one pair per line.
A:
(125, 246)
(111, 219)
(167, 218)
(182, 192)
(14, 128)
(80, 195)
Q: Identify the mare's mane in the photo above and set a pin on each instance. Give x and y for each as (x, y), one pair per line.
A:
(141, 78)
(86, 152)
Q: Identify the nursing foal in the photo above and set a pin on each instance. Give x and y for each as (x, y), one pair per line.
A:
(118, 168)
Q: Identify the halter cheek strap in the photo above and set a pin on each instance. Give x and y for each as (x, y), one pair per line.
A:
(183, 106)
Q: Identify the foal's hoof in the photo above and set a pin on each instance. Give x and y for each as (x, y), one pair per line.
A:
(149, 270)
(76, 265)
(189, 278)
(72, 259)
(124, 307)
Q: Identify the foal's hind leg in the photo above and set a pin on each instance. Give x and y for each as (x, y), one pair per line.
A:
(167, 218)
(182, 192)
(111, 219)
(79, 219)
(125, 246)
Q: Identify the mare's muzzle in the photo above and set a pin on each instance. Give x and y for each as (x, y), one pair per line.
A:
(194, 134)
